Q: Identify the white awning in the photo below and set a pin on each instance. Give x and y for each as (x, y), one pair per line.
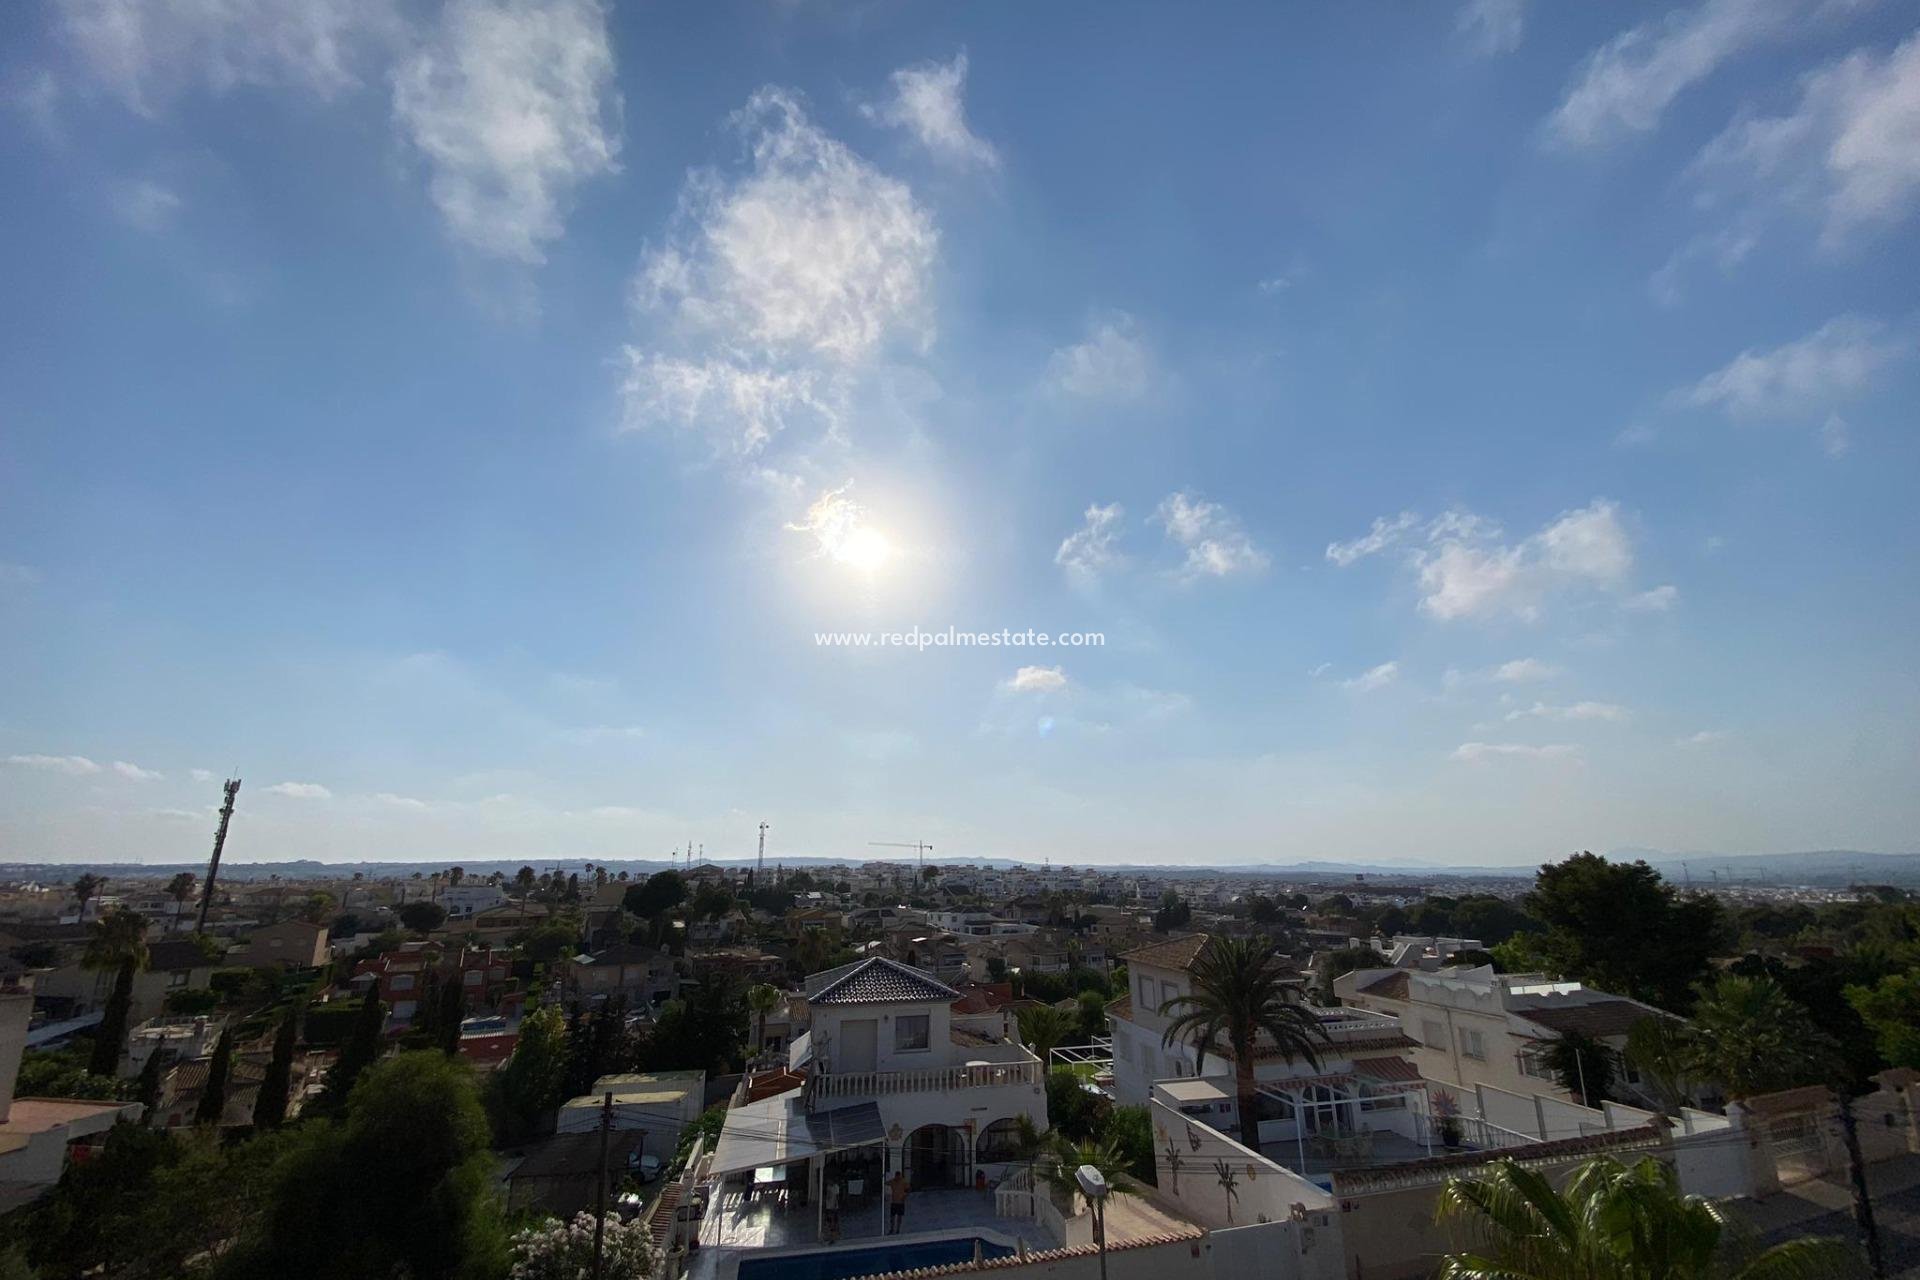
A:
(775, 1131)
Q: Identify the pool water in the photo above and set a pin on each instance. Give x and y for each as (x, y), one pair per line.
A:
(840, 1264)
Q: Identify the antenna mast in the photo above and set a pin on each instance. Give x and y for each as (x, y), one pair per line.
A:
(219, 843)
(760, 863)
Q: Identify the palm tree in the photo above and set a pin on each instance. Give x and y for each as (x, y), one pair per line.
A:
(1751, 1037)
(1240, 993)
(86, 889)
(1614, 1222)
(1658, 1049)
(1061, 1158)
(180, 888)
(116, 942)
(1044, 1029)
(762, 998)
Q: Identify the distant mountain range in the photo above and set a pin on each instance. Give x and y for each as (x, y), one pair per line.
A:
(1827, 868)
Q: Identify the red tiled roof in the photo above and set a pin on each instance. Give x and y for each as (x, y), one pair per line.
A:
(1123, 1007)
(1174, 953)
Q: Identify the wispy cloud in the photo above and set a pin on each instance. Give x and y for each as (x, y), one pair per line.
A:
(1373, 678)
(1037, 680)
(1216, 545)
(1474, 752)
(1657, 600)
(1704, 738)
(1626, 86)
(929, 102)
(300, 790)
(135, 772)
(1513, 671)
(1575, 711)
(1467, 569)
(513, 106)
(1808, 377)
(1492, 27)
(145, 205)
(1093, 548)
(1111, 363)
(76, 766)
(393, 801)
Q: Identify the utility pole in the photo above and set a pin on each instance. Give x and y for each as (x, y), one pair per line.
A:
(1862, 1206)
(219, 843)
(600, 1208)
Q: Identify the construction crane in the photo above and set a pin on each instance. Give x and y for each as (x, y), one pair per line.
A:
(919, 845)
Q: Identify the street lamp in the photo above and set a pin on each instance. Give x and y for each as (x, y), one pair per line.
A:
(1093, 1185)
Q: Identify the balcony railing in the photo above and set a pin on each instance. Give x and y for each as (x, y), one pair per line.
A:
(876, 1084)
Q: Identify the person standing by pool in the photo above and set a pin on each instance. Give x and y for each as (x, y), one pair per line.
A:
(897, 1198)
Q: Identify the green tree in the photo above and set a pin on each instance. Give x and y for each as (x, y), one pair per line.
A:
(529, 1085)
(1242, 993)
(401, 1186)
(213, 1094)
(1582, 1065)
(1750, 1037)
(180, 889)
(452, 1012)
(762, 999)
(1620, 927)
(707, 1027)
(422, 916)
(276, 1086)
(1044, 1028)
(1613, 1222)
(1891, 1010)
(86, 888)
(660, 893)
(146, 1089)
(1658, 1048)
(362, 1049)
(115, 942)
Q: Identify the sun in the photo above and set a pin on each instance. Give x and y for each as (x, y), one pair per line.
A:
(864, 548)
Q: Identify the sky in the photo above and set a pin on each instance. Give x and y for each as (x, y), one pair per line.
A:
(1475, 431)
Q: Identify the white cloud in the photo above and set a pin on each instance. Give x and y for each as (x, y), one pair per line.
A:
(813, 252)
(841, 532)
(1112, 363)
(1834, 436)
(1466, 568)
(300, 790)
(145, 205)
(1384, 533)
(1037, 680)
(1658, 600)
(401, 802)
(1628, 83)
(1373, 678)
(1492, 27)
(135, 772)
(928, 102)
(146, 51)
(1524, 671)
(1478, 751)
(1849, 152)
(1807, 376)
(201, 775)
(513, 105)
(77, 766)
(1704, 738)
(738, 409)
(1577, 711)
(1091, 548)
(1216, 545)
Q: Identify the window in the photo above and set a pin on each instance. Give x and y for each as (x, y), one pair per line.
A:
(910, 1033)
(1531, 1065)
(1433, 1034)
(474, 977)
(1472, 1044)
(1146, 995)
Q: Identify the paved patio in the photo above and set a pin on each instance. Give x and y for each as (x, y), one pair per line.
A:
(1382, 1148)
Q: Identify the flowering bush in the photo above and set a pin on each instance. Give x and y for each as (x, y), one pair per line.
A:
(557, 1250)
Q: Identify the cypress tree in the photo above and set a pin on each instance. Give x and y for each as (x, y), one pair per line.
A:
(453, 1011)
(111, 1034)
(270, 1105)
(147, 1090)
(213, 1097)
(360, 1051)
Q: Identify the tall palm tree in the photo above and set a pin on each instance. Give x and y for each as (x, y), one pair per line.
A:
(1614, 1222)
(762, 998)
(1241, 993)
(1044, 1029)
(117, 942)
(1751, 1037)
(86, 889)
(181, 888)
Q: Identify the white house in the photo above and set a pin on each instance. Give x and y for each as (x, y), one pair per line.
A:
(661, 1104)
(463, 900)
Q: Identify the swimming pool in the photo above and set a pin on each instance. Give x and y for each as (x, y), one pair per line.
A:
(840, 1264)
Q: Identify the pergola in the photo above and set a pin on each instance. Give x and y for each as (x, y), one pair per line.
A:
(1333, 1101)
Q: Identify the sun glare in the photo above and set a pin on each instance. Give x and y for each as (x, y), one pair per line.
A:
(865, 549)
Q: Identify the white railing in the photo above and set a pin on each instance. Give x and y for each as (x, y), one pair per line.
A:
(878, 1084)
(1477, 1134)
(1014, 1197)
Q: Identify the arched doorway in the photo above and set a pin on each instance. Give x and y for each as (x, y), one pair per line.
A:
(939, 1155)
(999, 1142)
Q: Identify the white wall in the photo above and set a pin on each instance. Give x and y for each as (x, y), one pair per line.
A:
(1264, 1190)
(941, 1051)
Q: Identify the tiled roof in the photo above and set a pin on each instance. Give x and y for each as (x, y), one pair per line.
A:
(1391, 987)
(1385, 1069)
(1123, 1007)
(1174, 953)
(878, 980)
(1345, 1046)
(1601, 1018)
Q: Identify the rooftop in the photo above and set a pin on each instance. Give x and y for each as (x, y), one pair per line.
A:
(1598, 1018)
(878, 980)
(1174, 953)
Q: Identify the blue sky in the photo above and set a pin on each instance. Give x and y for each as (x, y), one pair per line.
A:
(1479, 431)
